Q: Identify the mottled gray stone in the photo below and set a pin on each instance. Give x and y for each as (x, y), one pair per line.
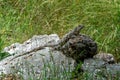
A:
(107, 57)
(98, 69)
(34, 42)
(33, 64)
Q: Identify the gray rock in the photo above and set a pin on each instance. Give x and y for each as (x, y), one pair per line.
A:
(98, 69)
(107, 57)
(34, 42)
(37, 63)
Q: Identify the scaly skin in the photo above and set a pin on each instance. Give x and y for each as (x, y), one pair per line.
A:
(72, 45)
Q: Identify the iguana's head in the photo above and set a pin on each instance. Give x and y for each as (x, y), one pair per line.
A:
(78, 29)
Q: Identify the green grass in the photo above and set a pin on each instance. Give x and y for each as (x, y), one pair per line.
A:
(21, 19)
(2, 54)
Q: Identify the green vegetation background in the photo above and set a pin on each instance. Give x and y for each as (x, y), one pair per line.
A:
(21, 19)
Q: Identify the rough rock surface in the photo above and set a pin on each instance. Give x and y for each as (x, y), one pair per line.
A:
(98, 69)
(107, 57)
(32, 64)
(34, 42)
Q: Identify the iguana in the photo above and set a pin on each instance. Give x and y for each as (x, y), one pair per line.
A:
(73, 44)
(57, 46)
